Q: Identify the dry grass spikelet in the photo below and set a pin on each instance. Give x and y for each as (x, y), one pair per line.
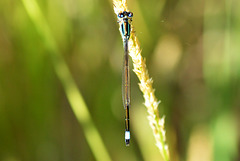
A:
(119, 6)
(151, 102)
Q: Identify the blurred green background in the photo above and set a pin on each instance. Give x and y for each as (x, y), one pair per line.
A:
(193, 55)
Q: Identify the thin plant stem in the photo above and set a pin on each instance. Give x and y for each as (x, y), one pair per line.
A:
(151, 102)
(74, 96)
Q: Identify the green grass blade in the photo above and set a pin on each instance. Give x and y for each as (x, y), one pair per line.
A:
(73, 94)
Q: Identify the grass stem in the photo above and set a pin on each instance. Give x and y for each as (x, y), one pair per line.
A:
(74, 96)
(151, 102)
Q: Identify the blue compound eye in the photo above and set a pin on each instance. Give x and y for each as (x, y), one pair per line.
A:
(120, 15)
(130, 14)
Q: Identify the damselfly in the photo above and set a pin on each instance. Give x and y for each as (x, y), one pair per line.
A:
(125, 19)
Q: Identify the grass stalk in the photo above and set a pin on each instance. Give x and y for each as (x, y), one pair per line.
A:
(74, 96)
(151, 102)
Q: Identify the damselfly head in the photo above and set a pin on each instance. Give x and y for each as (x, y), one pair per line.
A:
(125, 14)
